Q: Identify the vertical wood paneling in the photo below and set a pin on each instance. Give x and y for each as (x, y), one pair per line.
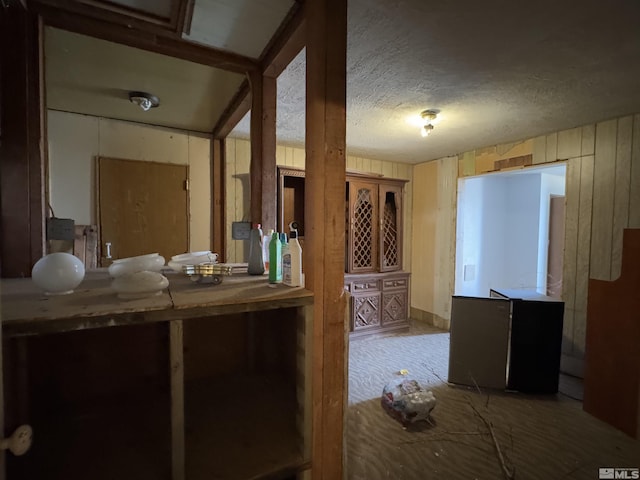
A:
(423, 236)
(386, 169)
(552, 148)
(634, 190)
(445, 235)
(583, 254)
(281, 153)
(467, 164)
(588, 139)
(621, 192)
(603, 197)
(141, 142)
(539, 150)
(231, 196)
(366, 165)
(376, 166)
(298, 157)
(572, 208)
(570, 143)
(351, 163)
(199, 193)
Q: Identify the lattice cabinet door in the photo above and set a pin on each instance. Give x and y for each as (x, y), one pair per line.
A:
(363, 229)
(390, 228)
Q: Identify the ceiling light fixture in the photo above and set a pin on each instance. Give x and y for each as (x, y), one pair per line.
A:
(428, 118)
(144, 100)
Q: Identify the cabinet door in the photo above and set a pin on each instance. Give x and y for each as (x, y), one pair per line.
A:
(362, 251)
(395, 301)
(390, 236)
(365, 311)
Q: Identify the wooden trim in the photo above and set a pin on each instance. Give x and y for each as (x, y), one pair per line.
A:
(255, 168)
(122, 15)
(139, 38)
(187, 11)
(22, 148)
(269, 168)
(324, 251)
(218, 232)
(238, 107)
(286, 44)
(281, 50)
(176, 373)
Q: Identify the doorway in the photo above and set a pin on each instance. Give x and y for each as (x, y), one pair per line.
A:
(503, 231)
(142, 208)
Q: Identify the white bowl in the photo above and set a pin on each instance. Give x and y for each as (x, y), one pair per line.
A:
(139, 285)
(194, 258)
(185, 256)
(126, 266)
(58, 273)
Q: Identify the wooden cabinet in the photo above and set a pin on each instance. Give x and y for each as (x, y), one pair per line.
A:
(374, 226)
(373, 249)
(379, 302)
(168, 387)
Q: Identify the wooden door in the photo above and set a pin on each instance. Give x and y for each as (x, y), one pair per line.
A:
(142, 208)
(363, 227)
(390, 236)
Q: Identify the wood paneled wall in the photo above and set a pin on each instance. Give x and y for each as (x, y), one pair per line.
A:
(75, 140)
(237, 188)
(602, 199)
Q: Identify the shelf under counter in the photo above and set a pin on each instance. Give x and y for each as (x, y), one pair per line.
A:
(243, 329)
(241, 427)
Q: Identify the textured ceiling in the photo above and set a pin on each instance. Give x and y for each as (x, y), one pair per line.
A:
(498, 71)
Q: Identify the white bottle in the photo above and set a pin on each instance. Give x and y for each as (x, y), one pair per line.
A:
(292, 262)
(266, 239)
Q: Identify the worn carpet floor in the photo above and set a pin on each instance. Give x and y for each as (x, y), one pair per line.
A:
(539, 436)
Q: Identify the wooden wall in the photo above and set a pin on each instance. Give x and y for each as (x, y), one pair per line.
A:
(602, 198)
(237, 188)
(75, 140)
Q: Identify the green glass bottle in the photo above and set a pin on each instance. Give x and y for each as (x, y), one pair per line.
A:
(275, 259)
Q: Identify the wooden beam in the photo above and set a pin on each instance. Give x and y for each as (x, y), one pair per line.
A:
(21, 147)
(288, 41)
(269, 168)
(324, 230)
(174, 47)
(255, 167)
(218, 221)
(238, 107)
(117, 14)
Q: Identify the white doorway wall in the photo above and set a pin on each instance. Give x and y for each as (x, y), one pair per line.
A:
(503, 229)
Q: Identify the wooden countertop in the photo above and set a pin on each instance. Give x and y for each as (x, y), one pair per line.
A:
(25, 310)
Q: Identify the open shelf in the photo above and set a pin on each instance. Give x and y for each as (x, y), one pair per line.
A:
(119, 439)
(241, 427)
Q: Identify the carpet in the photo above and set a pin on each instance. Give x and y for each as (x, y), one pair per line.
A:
(472, 433)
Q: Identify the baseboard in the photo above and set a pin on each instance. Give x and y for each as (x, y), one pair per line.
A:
(430, 318)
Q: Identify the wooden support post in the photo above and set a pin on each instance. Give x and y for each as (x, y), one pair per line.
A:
(22, 145)
(176, 370)
(263, 150)
(324, 230)
(217, 198)
(269, 170)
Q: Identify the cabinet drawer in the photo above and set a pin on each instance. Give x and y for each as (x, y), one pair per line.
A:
(365, 285)
(395, 283)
